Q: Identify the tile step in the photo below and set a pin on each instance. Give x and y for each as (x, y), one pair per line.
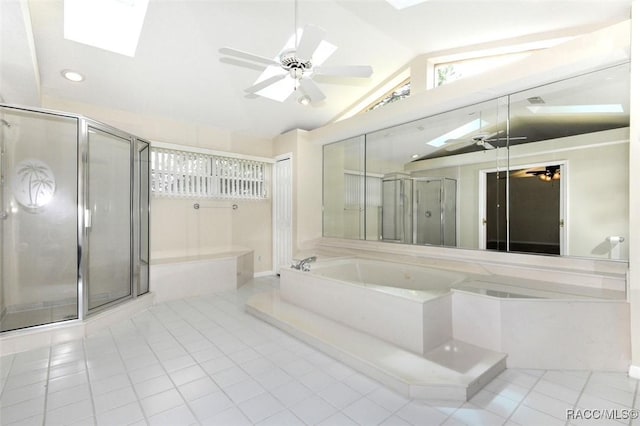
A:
(454, 371)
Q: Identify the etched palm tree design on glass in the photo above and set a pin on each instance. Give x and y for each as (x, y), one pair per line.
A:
(34, 183)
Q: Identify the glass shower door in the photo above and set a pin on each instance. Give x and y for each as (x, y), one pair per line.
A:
(108, 220)
(38, 218)
(428, 212)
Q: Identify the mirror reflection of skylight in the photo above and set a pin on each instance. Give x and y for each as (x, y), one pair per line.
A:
(458, 132)
(112, 25)
(281, 90)
(402, 4)
(576, 109)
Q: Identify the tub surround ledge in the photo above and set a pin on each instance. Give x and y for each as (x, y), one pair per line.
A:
(582, 272)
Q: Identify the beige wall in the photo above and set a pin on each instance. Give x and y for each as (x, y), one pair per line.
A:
(177, 229)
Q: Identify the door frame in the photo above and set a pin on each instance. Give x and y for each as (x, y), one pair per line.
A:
(564, 201)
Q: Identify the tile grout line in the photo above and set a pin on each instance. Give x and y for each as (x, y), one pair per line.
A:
(520, 403)
(575, 405)
(633, 403)
(46, 394)
(4, 382)
(186, 403)
(115, 343)
(267, 391)
(86, 369)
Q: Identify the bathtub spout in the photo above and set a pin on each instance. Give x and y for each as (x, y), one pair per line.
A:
(304, 264)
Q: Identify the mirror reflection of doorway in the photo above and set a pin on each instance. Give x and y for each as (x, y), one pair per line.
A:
(534, 220)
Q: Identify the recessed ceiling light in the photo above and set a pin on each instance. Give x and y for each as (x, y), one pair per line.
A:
(72, 75)
(415, 156)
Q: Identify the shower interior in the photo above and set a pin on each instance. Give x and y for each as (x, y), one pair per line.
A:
(419, 210)
(74, 217)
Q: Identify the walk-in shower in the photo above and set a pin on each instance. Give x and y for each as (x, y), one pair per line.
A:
(74, 225)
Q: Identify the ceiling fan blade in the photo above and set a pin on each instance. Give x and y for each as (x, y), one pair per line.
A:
(486, 145)
(244, 64)
(312, 90)
(514, 138)
(360, 71)
(247, 56)
(265, 83)
(311, 38)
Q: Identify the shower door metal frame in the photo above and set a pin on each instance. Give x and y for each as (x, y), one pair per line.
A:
(134, 221)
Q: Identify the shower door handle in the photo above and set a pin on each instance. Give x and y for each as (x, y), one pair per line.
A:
(87, 218)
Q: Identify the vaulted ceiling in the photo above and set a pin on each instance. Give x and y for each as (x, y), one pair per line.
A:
(177, 71)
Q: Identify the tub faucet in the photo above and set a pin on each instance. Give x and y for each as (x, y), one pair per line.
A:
(304, 264)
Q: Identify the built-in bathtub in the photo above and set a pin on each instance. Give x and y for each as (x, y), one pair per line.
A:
(406, 305)
(538, 324)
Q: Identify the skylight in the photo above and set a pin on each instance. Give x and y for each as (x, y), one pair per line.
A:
(458, 132)
(112, 25)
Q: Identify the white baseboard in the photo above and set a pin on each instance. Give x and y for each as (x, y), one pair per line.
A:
(634, 371)
(263, 274)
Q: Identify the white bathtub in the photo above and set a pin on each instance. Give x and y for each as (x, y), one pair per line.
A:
(395, 278)
(406, 305)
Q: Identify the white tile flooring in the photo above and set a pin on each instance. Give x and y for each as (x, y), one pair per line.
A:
(205, 361)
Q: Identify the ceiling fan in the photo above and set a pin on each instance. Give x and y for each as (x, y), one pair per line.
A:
(482, 140)
(294, 68)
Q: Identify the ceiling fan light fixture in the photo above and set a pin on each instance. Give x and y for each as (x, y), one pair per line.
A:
(304, 100)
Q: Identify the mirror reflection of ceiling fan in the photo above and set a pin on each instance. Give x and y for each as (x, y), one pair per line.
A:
(548, 174)
(294, 69)
(481, 139)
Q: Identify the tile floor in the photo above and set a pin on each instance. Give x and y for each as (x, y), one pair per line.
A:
(204, 361)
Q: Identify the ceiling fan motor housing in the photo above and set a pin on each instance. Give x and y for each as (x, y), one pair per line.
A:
(296, 66)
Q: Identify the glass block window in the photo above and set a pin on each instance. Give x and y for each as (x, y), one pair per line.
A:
(188, 174)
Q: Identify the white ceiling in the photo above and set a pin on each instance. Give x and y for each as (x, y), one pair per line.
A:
(177, 71)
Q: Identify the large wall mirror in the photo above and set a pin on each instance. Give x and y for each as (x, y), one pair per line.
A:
(543, 171)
